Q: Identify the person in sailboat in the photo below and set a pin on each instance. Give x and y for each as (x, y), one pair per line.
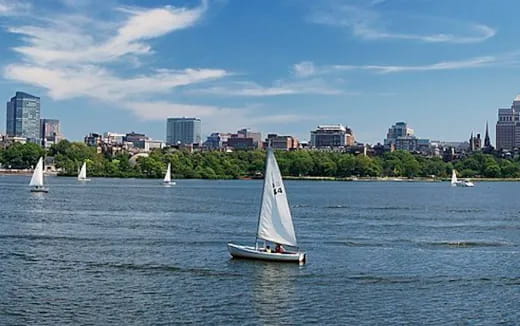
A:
(279, 249)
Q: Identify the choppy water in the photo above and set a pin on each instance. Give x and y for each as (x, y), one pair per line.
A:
(131, 252)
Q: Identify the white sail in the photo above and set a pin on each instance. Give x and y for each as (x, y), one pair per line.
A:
(83, 172)
(37, 177)
(168, 176)
(453, 177)
(275, 221)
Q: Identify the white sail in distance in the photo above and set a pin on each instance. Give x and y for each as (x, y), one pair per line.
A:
(83, 172)
(275, 221)
(453, 177)
(37, 177)
(168, 176)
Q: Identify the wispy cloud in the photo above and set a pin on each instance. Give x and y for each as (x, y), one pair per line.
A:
(365, 22)
(13, 7)
(65, 42)
(476, 62)
(95, 82)
(251, 89)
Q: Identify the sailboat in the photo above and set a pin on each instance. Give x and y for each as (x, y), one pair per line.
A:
(457, 183)
(37, 178)
(168, 176)
(275, 224)
(82, 176)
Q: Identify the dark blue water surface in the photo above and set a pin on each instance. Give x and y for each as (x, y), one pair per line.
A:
(132, 252)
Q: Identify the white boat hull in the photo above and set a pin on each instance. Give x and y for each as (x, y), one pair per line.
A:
(463, 184)
(40, 189)
(169, 183)
(246, 252)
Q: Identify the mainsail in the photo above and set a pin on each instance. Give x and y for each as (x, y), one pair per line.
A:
(83, 172)
(275, 221)
(37, 177)
(453, 177)
(168, 176)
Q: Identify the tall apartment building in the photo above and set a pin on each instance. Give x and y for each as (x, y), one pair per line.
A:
(23, 117)
(508, 127)
(183, 131)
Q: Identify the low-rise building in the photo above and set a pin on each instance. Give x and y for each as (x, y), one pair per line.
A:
(286, 143)
(217, 140)
(245, 139)
(332, 136)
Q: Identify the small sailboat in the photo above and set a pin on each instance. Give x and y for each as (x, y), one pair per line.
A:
(82, 176)
(274, 222)
(168, 176)
(457, 183)
(37, 178)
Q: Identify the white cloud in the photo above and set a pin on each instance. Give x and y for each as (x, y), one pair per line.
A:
(477, 62)
(304, 69)
(95, 82)
(251, 89)
(368, 24)
(69, 42)
(13, 7)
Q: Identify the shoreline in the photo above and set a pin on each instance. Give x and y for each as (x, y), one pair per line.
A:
(292, 178)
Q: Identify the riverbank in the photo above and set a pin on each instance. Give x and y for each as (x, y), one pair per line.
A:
(28, 172)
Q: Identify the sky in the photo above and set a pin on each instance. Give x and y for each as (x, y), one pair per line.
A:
(281, 66)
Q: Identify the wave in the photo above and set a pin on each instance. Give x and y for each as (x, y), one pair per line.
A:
(163, 268)
(468, 243)
(43, 237)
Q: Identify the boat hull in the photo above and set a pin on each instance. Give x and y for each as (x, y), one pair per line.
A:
(463, 184)
(245, 252)
(45, 190)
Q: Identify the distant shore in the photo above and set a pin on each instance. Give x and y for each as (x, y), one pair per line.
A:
(28, 172)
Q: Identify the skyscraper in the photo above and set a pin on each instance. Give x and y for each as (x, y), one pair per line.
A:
(23, 117)
(183, 131)
(50, 131)
(508, 126)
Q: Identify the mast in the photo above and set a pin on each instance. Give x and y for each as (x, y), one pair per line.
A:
(262, 198)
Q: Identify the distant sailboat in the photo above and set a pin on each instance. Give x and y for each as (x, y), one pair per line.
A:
(37, 178)
(82, 176)
(274, 223)
(457, 183)
(168, 177)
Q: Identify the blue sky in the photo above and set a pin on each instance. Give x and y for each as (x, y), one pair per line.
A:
(275, 66)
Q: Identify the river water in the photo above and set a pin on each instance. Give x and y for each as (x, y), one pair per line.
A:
(132, 252)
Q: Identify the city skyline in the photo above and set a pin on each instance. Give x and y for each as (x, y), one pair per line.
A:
(304, 64)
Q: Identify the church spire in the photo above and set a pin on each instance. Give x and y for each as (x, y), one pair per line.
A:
(487, 141)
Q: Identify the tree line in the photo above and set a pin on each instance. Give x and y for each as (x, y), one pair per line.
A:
(69, 156)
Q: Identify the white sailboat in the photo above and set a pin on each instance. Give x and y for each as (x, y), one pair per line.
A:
(457, 183)
(168, 176)
(82, 176)
(37, 178)
(274, 223)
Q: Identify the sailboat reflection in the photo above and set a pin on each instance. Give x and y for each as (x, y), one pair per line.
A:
(274, 292)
